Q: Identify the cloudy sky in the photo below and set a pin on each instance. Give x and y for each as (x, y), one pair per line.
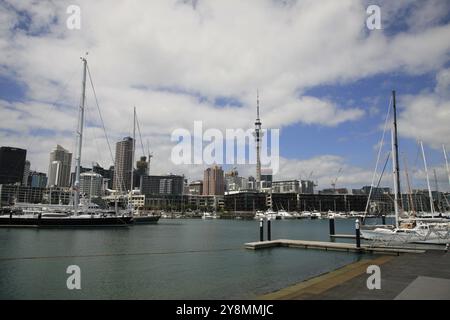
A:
(324, 79)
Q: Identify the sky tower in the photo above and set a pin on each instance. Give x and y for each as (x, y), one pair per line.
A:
(258, 134)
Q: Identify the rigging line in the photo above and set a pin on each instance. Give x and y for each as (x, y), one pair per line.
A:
(121, 183)
(100, 114)
(140, 136)
(378, 157)
(99, 154)
(381, 175)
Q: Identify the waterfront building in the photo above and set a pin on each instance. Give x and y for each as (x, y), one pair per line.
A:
(195, 188)
(123, 165)
(59, 167)
(307, 186)
(245, 201)
(37, 179)
(286, 186)
(168, 184)
(91, 184)
(282, 201)
(14, 193)
(12, 164)
(213, 181)
(56, 195)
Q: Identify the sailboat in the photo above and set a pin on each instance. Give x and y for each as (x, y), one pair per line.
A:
(414, 231)
(73, 217)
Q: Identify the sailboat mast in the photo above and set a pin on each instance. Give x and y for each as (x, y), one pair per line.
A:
(80, 138)
(428, 180)
(397, 167)
(394, 171)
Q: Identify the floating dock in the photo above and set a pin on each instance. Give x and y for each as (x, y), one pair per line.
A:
(334, 246)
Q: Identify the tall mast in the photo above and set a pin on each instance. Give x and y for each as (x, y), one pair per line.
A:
(446, 163)
(397, 167)
(428, 180)
(394, 171)
(80, 138)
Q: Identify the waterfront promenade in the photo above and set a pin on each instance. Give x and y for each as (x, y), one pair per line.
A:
(408, 276)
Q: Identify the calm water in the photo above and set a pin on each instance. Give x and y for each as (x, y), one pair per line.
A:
(175, 259)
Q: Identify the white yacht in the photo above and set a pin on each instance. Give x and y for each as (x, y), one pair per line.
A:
(283, 214)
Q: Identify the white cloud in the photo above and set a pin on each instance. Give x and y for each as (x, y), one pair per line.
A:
(172, 60)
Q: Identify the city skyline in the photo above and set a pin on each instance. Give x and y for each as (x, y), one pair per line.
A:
(330, 108)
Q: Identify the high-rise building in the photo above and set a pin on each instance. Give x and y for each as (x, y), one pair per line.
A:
(195, 187)
(213, 181)
(26, 173)
(59, 167)
(37, 179)
(123, 164)
(91, 184)
(12, 164)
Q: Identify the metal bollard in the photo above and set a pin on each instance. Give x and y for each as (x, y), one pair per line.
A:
(331, 221)
(269, 231)
(358, 234)
(261, 230)
(383, 219)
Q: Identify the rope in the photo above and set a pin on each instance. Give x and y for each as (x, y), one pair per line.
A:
(121, 254)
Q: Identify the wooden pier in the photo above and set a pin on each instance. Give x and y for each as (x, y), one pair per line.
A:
(331, 246)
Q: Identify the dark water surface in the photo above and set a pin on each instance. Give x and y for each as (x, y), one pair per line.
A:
(175, 259)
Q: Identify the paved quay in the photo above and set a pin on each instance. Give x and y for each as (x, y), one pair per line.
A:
(408, 276)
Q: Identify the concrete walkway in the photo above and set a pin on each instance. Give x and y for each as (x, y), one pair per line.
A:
(408, 276)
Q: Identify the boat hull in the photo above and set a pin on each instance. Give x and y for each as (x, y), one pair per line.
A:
(65, 222)
(146, 220)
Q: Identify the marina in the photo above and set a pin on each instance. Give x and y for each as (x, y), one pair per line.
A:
(174, 259)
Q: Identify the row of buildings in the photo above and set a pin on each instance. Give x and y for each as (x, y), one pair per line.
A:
(218, 190)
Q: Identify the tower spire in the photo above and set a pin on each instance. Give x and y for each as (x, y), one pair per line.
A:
(258, 134)
(257, 104)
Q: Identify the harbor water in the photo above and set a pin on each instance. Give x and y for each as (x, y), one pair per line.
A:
(174, 259)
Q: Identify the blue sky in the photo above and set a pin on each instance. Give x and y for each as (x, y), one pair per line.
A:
(325, 80)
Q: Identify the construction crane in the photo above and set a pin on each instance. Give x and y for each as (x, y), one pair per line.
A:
(333, 182)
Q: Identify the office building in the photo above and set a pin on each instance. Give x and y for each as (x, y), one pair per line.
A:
(12, 164)
(123, 165)
(162, 185)
(59, 167)
(213, 181)
(286, 186)
(37, 179)
(26, 173)
(91, 184)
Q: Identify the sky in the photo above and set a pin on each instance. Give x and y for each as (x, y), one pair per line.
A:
(324, 80)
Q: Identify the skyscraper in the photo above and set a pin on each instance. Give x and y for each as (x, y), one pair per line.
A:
(213, 181)
(91, 184)
(123, 164)
(59, 167)
(26, 172)
(12, 164)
